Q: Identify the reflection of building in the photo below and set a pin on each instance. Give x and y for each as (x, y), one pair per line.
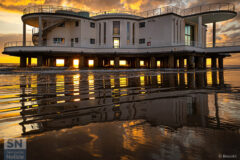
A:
(77, 100)
(162, 37)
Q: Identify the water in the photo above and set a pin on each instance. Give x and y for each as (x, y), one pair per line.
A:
(129, 114)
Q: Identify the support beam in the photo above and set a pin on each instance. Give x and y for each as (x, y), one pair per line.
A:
(181, 62)
(214, 35)
(116, 62)
(137, 62)
(29, 61)
(96, 62)
(199, 64)
(82, 61)
(204, 62)
(153, 62)
(190, 62)
(220, 62)
(23, 61)
(39, 61)
(24, 34)
(171, 61)
(52, 62)
(214, 62)
(199, 31)
(40, 34)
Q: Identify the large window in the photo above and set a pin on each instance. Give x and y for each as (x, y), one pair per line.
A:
(141, 41)
(92, 41)
(142, 24)
(58, 40)
(116, 42)
(189, 35)
(92, 25)
(116, 28)
(128, 32)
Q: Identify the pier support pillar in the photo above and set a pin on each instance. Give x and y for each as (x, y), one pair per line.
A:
(214, 62)
(199, 64)
(116, 62)
(165, 62)
(171, 61)
(204, 62)
(190, 62)
(181, 62)
(29, 61)
(39, 61)
(82, 62)
(137, 62)
(220, 62)
(52, 62)
(162, 63)
(23, 61)
(153, 62)
(96, 62)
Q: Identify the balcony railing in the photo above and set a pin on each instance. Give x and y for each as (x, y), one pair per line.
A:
(149, 13)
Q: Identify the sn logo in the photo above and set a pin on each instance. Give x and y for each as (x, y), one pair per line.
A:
(15, 143)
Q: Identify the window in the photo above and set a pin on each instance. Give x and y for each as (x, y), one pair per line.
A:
(92, 25)
(128, 32)
(116, 28)
(61, 25)
(105, 32)
(116, 42)
(76, 40)
(100, 28)
(189, 35)
(76, 23)
(142, 24)
(133, 34)
(92, 41)
(141, 41)
(58, 40)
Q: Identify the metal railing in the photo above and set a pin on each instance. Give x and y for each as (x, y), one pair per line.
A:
(224, 44)
(17, 44)
(148, 13)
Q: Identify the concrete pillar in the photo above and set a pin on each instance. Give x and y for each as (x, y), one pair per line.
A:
(204, 62)
(52, 62)
(24, 34)
(153, 62)
(221, 78)
(165, 62)
(29, 61)
(82, 61)
(137, 62)
(100, 62)
(199, 64)
(214, 62)
(181, 62)
(39, 61)
(70, 61)
(171, 61)
(220, 62)
(214, 35)
(190, 80)
(116, 62)
(199, 31)
(40, 39)
(23, 61)
(96, 62)
(190, 62)
(162, 63)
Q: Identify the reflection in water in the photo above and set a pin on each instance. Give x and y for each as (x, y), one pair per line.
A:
(33, 104)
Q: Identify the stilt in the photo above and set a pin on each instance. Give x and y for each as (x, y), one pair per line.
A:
(171, 61)
(39, 61)
(181, 62)
(82, 62)
(52, 62)
(199, 64)
(214, 62)
(29, 61)
(153, 62)
(190, 62)
(220, 62)
(23, 61)
(116, 62)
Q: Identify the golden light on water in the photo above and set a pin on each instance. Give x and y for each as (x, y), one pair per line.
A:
(159, 80)
(59, 62)
(142, 80)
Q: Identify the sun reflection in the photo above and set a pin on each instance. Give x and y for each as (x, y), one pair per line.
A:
(91, 86)
(159, 79)
(123, 82)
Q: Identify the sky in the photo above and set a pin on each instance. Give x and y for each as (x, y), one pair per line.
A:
(11, 12)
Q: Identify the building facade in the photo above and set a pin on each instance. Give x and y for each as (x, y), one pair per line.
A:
(164, 37)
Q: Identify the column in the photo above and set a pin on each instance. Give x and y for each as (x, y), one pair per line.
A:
(199, 31)
(171, 61)
(70, 59)
(204, 62)
(40, 39)
(153, 62)
(96, 62)
(29, 61)
(214, 34)
(200, 60)
(52, 62)
(214, 62)
(220, 62)
(100, 62)
(23, 61)
(165, 62)
(162, 63)
(81, 62)
(116, 62)
(181, 62)
(137, 62)
(24, 34)
(39, 61)
(190, 62)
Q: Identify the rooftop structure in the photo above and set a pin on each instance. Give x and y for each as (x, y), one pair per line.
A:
(162, 37)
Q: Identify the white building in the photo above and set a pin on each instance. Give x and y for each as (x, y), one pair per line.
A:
(163, 37)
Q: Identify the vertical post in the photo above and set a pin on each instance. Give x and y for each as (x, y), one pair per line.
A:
(96, 62)
(116, 62)
(40, 39)
(214, 35)
(137, 62)
(24, 34)
(181, 62)
(171, 61)
(214, 62)
(81, 62)
(23, 61)
(152, 62)
(199, 31)
(220, 62)
(190, 62)
(200, 60)
(52, 62)
(29, 61)
(39, 61)
(204, 62)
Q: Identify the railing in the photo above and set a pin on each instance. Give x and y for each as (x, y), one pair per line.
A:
(224, 44)
(149, 13)
(17, 44)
